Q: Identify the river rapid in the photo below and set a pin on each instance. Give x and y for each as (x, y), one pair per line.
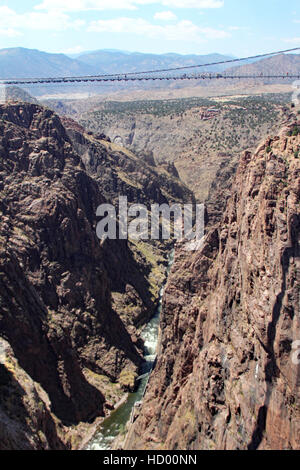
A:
(116, 423)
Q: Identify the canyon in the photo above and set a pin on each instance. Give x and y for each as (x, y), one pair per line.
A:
(225, 376)
(194, 139)
(73, 307)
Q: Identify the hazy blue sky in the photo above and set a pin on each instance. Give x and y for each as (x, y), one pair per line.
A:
(238, 27)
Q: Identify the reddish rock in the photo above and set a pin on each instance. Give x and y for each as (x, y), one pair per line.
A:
(57, 280)
(225, 378)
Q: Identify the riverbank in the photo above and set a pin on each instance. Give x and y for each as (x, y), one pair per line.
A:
(98, 423)
(113, 430)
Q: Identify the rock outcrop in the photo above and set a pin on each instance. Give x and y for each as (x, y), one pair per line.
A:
(64, 339)
(14, 93)
(228, 372)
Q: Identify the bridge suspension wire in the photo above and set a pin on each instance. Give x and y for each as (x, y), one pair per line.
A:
(146, 75)
(145, 78)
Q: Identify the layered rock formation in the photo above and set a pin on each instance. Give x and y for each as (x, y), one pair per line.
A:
(228, 372)
(65, 344)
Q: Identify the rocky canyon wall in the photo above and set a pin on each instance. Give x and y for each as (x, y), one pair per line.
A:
(64, 343)
(228, 373)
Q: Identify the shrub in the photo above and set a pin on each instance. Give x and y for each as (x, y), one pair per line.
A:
(127, 380)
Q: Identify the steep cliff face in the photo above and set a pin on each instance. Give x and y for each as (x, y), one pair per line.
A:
(227, 376)
(65, 342)
(120, 172)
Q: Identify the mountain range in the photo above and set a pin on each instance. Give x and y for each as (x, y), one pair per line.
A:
(25, 63)
(119, 61)
(276, 65)
(22, 63)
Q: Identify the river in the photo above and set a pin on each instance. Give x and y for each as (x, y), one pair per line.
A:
(116, 423)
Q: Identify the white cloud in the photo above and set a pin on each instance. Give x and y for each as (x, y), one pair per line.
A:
(235, 28)
(52, 15)
(82, 5)
(180, 31)
(293, 41)
(73, 50)
(12, 22)
(193, 3)
(165, 16)
(10, 33)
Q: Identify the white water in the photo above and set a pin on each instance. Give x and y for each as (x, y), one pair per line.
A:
(115, 424)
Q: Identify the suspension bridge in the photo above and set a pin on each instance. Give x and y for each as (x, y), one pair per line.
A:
(174, 73)
(210, 76)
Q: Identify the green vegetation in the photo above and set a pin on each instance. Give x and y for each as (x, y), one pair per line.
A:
(127, 380)
(154, 107)
(261, 106)
(294, 132)
(111, 390)
(156, 264)
(242, 115)
(183, 131)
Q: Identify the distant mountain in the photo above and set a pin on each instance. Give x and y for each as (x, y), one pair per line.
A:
(280, 64)
(13, 93)
(111, 61)
(78, 54)
(23, 63)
